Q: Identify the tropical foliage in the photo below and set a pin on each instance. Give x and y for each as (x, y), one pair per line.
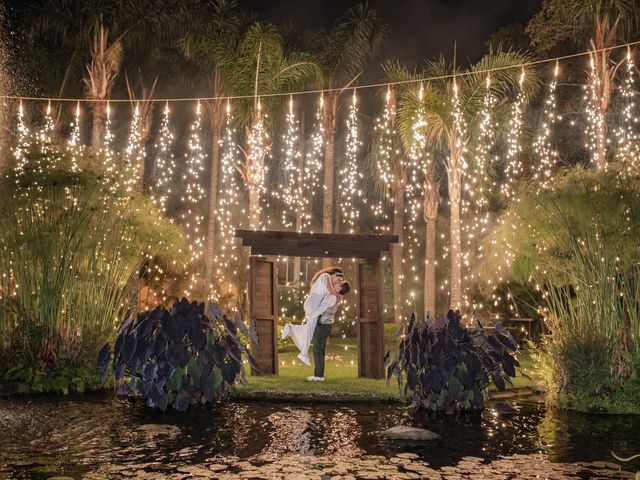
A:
(577, 243)
(176, 357)
(72, 241)
(447, 367)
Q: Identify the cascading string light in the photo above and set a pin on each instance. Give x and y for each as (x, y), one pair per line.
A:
(134, 152)
(412, 171)
(290, 191)
(514, 167)
(384, 132)
(164, 163)
(627, 138)
(193, 197)
(595, 124)
(107, 145)
(227, 259)
(23, 141)
(542, 145)
(479, 187)
(74, 142)
(45, 135)
(254, 170)
(350, 174)
(314, 157)
(456, 169)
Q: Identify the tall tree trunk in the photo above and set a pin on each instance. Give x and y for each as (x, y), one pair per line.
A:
(99, 121)
(604, 73)
(217, 113)
(397, 250)
(254, 207)
(329, 118)
(454, 177)
(431, 203)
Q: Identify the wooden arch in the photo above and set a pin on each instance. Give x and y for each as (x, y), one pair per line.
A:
(264, 299)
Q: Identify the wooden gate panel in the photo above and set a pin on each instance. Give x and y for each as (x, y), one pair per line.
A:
(263, 311)
(370, 323)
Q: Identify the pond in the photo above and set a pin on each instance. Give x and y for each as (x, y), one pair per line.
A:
(102, 437)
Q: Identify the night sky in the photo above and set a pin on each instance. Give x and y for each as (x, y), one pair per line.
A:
(418, 29)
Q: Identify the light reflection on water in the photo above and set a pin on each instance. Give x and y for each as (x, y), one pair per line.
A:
(82, 434)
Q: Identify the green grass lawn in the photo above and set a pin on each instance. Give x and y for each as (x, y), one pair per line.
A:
(341, 377)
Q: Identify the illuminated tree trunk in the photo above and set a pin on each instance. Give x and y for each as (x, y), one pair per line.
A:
(603, 73)
(430, 213)
(98, 122)
(254, 207)
(397, 250)
(217, 119)
(454, 177)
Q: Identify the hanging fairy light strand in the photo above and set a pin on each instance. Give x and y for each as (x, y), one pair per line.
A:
(542, 144)
(229, 199)
(194, 194)
(254, 169)
(164, 163)
(290, 190)
(626, 135)
(514, 166)
(351, 174)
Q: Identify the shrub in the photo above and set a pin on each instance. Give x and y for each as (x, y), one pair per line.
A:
(176, 357)
(447, 367)
(71, 241)
(577, 243)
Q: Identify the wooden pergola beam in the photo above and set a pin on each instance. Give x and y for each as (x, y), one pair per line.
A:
(324, 245)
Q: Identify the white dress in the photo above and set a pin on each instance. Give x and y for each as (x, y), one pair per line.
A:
(317, 302)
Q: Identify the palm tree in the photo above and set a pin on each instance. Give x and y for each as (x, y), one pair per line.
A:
(453, 105)
(212, 47)
(344, 51)
(600, 24)
(108, 28)
(262, 66)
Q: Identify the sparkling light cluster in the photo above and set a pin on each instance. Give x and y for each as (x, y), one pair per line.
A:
(626, 135)
(296, 212)
(134, 152)
(165, 163)
(254, 169)
(542, 144)
(194, 194)
(514, 167)
(595, 125)
(228, 200)
(350, 174)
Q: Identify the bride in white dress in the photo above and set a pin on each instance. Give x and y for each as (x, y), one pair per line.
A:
(325, 288)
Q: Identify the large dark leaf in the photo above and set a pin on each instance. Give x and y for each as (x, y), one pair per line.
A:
(144, 349)
(182, 401)
(149, 371)
(508, 364)
(228, 324)
(498, 381)
(159, 345)
(129, 348)
(240, 325)
(103, 362)
(118, 370)
(228, 373)
(117, 348)
(215, 312)
(196, 333)
(177, 355)
(504, 336)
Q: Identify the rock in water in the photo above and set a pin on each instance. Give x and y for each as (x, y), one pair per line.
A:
(401, 432)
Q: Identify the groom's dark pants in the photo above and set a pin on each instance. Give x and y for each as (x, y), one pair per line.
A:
(320, 336)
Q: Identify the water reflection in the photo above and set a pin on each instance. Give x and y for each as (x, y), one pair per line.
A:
(78, 435)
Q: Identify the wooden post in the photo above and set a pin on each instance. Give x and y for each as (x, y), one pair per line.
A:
(370, 323)
(264, 312)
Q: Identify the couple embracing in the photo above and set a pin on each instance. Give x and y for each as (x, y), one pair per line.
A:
(327, 289)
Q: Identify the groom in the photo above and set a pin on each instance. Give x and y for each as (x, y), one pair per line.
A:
(323, 330)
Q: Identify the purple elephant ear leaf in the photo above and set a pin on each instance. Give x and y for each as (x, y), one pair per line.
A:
(103, 362)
